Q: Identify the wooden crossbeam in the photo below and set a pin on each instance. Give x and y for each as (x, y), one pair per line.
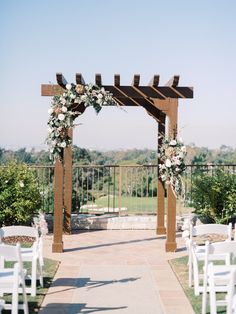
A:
(136, 80)
(79, 79)
(173, 82)
(61, 81)
(160, 92)
(117, 79)
(98, 79)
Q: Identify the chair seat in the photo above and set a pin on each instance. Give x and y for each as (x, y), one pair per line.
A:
(2, 305)
(26, 254)
(7, 276)
(200, 251)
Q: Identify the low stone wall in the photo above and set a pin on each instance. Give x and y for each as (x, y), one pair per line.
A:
(112, 222)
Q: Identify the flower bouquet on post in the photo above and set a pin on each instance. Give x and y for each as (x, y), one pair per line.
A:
(171, 164)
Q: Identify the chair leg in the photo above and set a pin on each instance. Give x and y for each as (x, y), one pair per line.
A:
(33, 277)
(190, 272)
(40, 274)
(25, 301)
(195, 277)
(15, 292)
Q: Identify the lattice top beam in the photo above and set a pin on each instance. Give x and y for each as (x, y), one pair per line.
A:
(170, 90)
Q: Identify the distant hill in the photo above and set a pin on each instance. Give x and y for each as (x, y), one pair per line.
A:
(196, 155)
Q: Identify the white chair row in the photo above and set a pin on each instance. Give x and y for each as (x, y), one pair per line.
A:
(216, 278)
(219, 278)
(12, 280)
(34, 254)
(197, 252)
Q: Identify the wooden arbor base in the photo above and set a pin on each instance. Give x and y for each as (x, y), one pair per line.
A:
(57, 247)
(171, 246)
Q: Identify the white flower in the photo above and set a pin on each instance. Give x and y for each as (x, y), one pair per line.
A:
(99, 101)
(183, 148)
(168, 163)
(173, 142)
(83, 97)
(163, 177)
(50, 111)
(61, 116)
(99, 96)
(63, 101)
(68, 86)
(21, 183)
(64, 109)
(72, 96)
(63, 144)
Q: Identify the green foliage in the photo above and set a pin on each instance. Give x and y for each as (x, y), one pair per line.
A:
(214, 196)
(19, 195)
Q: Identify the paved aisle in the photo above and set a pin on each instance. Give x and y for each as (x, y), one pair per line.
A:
(118, 289)
(114, 271)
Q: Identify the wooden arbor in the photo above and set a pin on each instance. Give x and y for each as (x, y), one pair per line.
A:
(160, 102)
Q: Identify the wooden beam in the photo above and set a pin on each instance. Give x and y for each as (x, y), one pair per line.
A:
(173, 82)
(61, 81)
(68, 185)
(98, 79)
(117, 79)
(160, 92)
(171, 244)
(161, 229)
(154, 81)
(79, 79)
(136, 80)
(148, 104)
(57, 245)
(51, 90)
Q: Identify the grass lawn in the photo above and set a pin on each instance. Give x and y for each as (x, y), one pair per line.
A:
(49, 270)
(141, 205)
(180, 267)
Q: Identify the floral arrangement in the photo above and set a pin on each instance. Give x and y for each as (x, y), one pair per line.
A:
(171, 165)
(62, 114)
(41, 224)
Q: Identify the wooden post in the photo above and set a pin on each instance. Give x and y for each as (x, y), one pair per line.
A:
(161, 229)
(171, 199)
(68, 185)
(120, 189)
(57, 245)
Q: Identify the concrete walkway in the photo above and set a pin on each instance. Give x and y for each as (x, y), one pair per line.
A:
(114, 271)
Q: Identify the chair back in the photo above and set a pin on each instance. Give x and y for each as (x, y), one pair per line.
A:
(231, 296)
(23, 231)
(11, 252)
(221, 247)
(220, 229)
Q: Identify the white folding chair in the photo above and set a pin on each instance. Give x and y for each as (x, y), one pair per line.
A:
(197, 252)
(231, 296)
(217, 277)
(32, 254)
(12, 280)
(2, 304)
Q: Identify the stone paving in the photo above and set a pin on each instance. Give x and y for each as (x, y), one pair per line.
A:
(120, 271)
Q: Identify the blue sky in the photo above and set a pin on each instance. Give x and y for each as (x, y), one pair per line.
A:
(195, 39)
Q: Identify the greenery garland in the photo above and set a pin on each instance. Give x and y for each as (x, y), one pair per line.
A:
(62, 116)
(171, 163)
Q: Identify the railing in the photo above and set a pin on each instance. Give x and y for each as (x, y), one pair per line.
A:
(117, 189)
(120, 189)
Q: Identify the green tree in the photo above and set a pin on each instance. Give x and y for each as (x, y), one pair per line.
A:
(214, 196)
(19, 195)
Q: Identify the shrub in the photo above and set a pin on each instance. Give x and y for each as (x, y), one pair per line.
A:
(19, 195)
(214, 196)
